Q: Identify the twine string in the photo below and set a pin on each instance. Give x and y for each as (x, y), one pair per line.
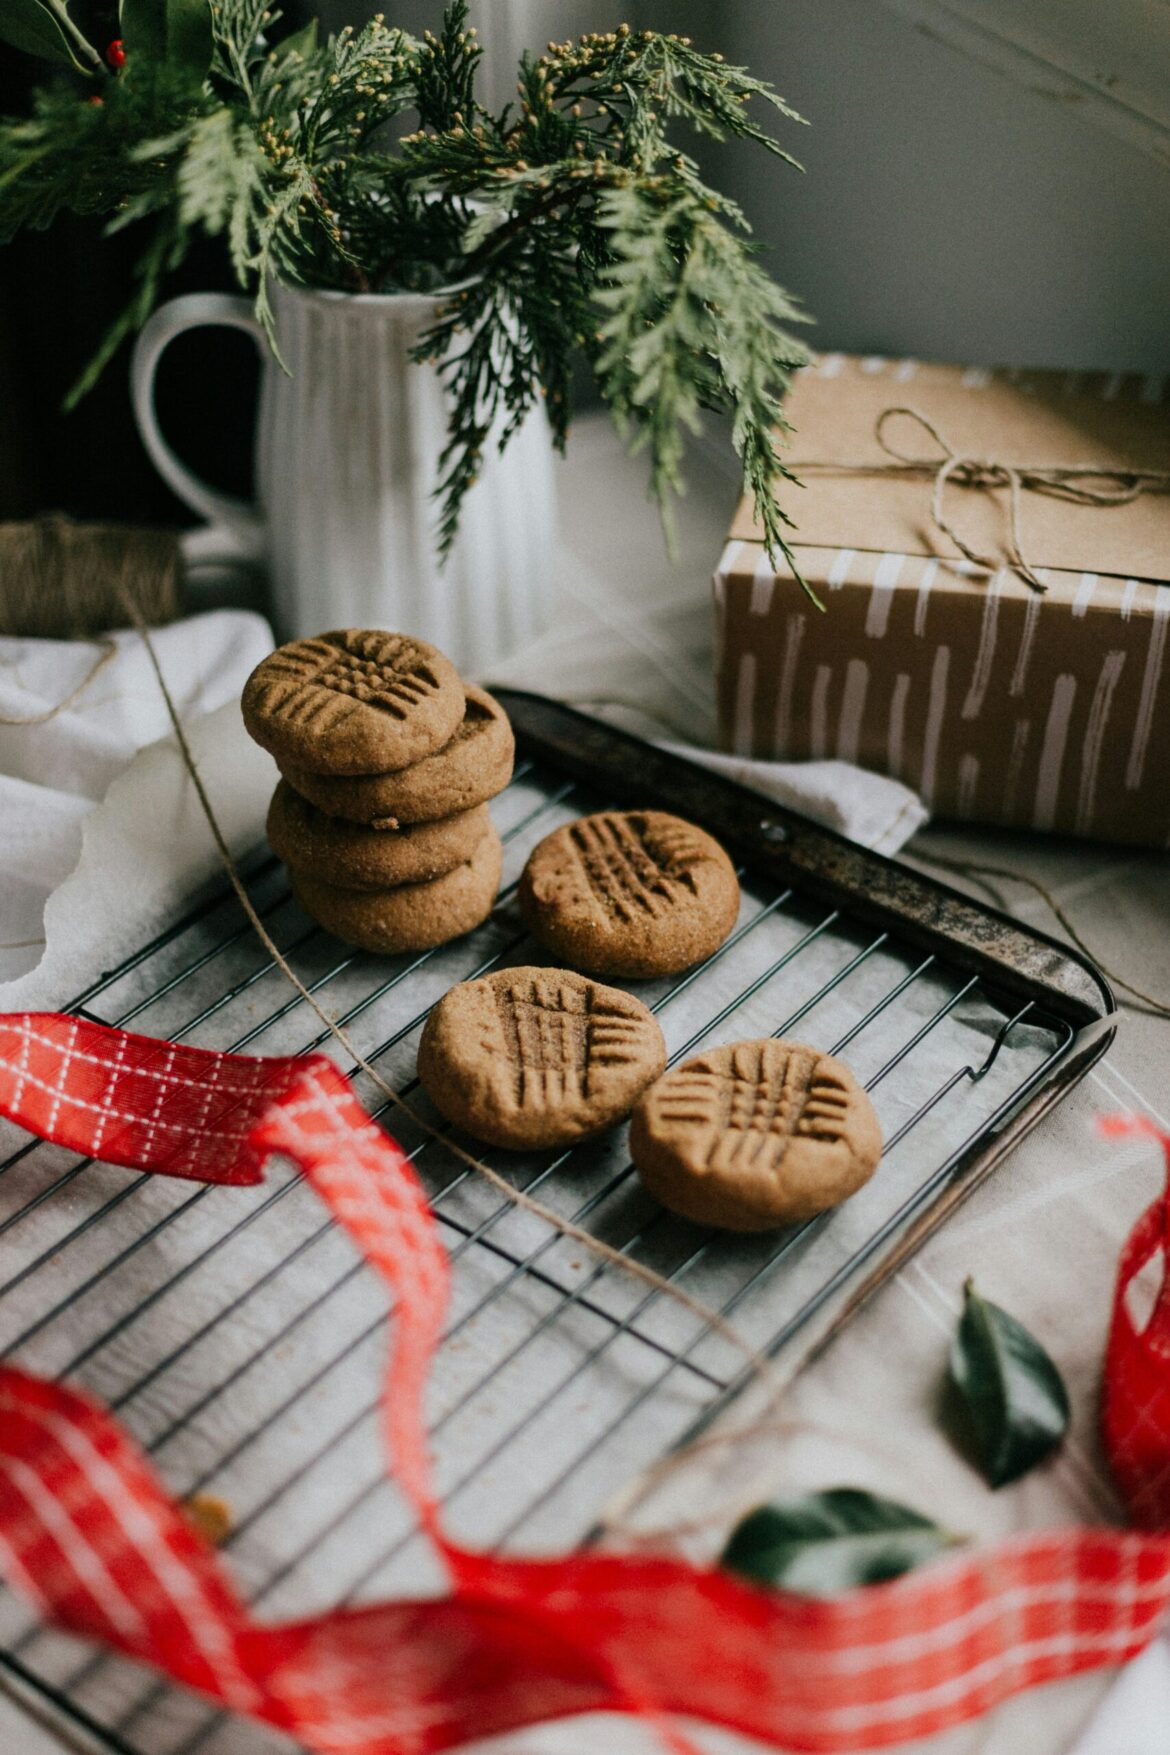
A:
(759, 1365)
(65, 581)
(1086, 484)
(726, 1507)
(108, 649)
(85, 591)
(1139, 1000)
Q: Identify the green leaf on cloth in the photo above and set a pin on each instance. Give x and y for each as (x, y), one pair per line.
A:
(828, 1542)
(1013, 1395)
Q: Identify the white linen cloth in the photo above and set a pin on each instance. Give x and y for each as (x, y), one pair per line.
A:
(1042, 1236)
(868, 808)
(103, 835)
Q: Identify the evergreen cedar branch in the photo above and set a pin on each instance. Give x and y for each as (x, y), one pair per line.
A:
(568, 224)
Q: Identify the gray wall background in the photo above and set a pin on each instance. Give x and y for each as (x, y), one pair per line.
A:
(947, 210)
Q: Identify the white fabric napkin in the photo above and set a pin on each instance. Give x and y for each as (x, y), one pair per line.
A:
(104, 838)
(644, 663)
(103, 835)
(869, 808)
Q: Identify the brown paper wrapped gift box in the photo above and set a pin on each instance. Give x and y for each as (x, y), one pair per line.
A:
(998, 704)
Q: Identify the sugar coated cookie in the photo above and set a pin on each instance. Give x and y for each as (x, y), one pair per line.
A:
(754, 1135)
(471, 768)
(357, 857)
(355, 701)
(411, 917)
(633, 893)
(538, 1057)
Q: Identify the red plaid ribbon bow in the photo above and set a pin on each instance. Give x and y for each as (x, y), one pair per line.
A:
(90, 1534)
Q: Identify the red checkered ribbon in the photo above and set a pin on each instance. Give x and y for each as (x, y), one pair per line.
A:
(89, 1532)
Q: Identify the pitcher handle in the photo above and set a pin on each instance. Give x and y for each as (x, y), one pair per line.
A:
(234, 529)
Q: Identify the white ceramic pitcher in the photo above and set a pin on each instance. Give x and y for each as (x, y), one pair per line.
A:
(347, 448)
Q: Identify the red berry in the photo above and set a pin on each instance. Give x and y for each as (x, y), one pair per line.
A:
(116, 54)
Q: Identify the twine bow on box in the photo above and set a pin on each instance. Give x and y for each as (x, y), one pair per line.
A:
(1084, 484)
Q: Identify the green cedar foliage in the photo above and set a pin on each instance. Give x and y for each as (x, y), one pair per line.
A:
(570, 224)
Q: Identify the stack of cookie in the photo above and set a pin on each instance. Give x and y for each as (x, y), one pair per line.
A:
(388, 761)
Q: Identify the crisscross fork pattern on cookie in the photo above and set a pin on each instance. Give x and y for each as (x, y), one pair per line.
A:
(558, 1038)
(770, 1095)
(627, 876)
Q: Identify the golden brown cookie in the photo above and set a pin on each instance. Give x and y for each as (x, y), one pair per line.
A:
(634, 893)
(473, 767)
(355, 701)
(538, 1057)
(754, 1135)
(410, 917)
(362, 858)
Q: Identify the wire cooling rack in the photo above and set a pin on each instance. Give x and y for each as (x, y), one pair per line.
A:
(241, 1338)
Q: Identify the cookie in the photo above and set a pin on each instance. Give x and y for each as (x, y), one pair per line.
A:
(633, 893)
(409, 917)
(356, 701)
(473, 767)
(362, 858)
(538, 1057)
(755, 1135)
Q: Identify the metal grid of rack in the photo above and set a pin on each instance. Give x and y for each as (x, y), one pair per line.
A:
(241, 1337)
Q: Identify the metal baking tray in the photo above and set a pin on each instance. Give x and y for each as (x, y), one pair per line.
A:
(241, 1338)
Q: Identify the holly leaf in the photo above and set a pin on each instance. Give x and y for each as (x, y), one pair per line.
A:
(1012, 1394)
(45, 30)
(178, 31)
(828, 1542)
